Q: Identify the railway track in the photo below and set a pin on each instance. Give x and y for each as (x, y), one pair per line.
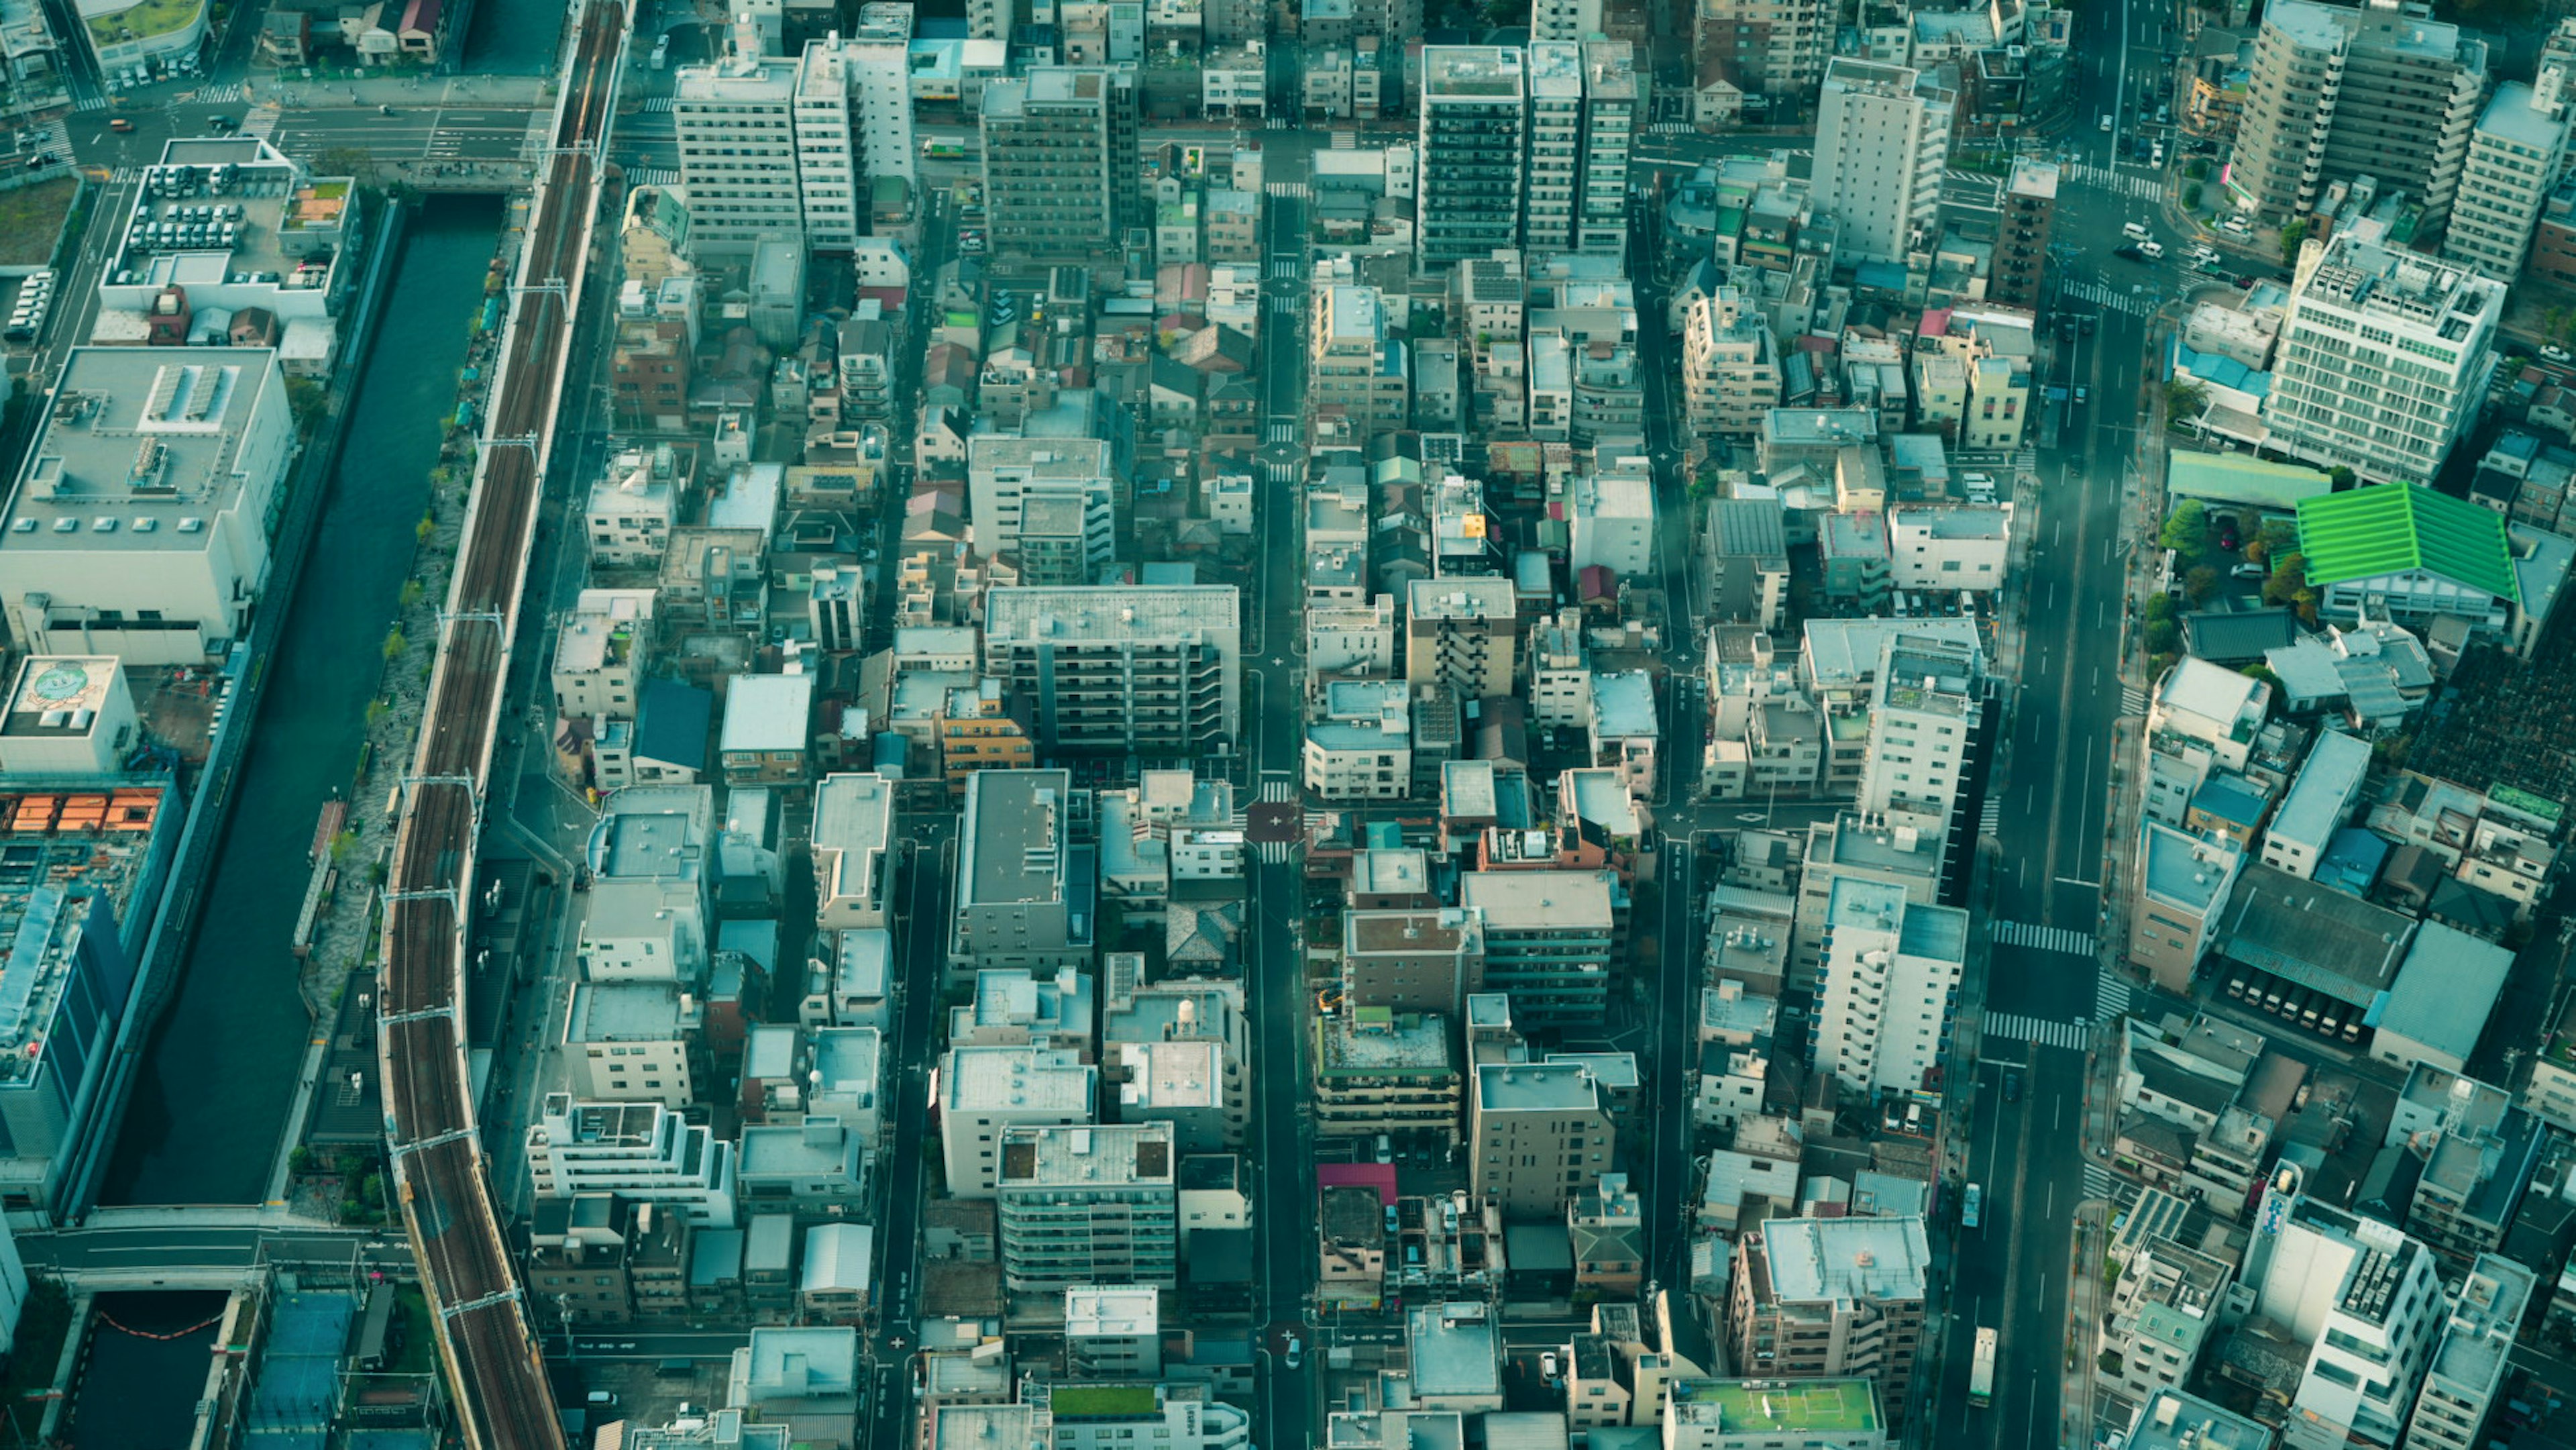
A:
(488, 1349)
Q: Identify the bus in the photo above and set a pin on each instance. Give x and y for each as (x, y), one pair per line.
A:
(1969, 1206)
(1981, 1375)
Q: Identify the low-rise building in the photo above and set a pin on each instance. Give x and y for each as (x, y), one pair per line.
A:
(1380, 1071)
(986, 1090)
(853, 836)
(2466, 1379)
(632, 1041)
(2164, 1312)
(1362, 748)
(1759, 1414)
(1542, 1133)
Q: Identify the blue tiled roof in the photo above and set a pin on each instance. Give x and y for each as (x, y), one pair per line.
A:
(2222, 371)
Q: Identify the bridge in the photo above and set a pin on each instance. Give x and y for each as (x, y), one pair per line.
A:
(215, 1248)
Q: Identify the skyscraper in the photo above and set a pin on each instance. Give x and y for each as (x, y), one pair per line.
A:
(1882, 139)
(2514, 155)
(1555, 146)
(2339, 93)
(1471, 154)
(736, 124)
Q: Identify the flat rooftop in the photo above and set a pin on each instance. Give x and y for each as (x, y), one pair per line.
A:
(623, 1012)
(1372, 1041)
(1536, 1087)
(1471, 72)
(1814, 1259)
(1018, 1079)
(1457, 1350)
(64, 853)
(1016, 835)
(1111, 1155)
(1777, 1407)
(139, 446)
(1101, 616)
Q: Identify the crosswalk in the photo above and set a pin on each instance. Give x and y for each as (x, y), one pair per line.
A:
(1280, 431)
(2133, 701)
(1990, 821)
(2103, 178)
(1281, 474)
(2044, 938)
(1284, 269)
(90, 103)
(658, 105)
(1278, 853)
(2038, 1031)
(1279, 123)
(1346, 140)
(126, 175)
(219, 93)
(2098, 1182)
(1285, 306)
(2111, 996)
(653, 176)
(1296, 189)
(1671, 128)
(2135, 304)
(262, 122)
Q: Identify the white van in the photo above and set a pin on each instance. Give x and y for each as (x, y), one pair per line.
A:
(2135, 231)
(2153, 249)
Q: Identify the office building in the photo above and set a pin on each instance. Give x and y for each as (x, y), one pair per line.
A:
(2384, 359)
(141, 520)
(2021, 245)
(2515, 153)
(1891, 971)
(1550, 937)
(853, 834)
(1026, 874)
(642, 1152)
(1539, 1134)
(1358, 370)
(1730, 365)
(2338, 93)
(1882, 142)
(2466, 1378)
(1094, 1205)
(631, 1041)
(1610, 519)
(984, 1090)
(1152, 670)
(1063, 173)
(1471, 153)
(2366, 1300)
(1463, 633)
(1831, 1298)
(2183, 884)
(1047, 504)
(737, 120)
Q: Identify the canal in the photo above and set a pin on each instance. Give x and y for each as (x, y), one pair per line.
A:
(140, 1377)
(219, 1073)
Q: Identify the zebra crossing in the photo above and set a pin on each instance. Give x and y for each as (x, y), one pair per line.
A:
(1278, 853)
(90, 103)
(2098, 1182)
(220, 93)
(2045, 938)
(1279, 123)
(126, 175)
(658, 105)
(1283, 304)
(653, 176)
(262, 122)
(1283, 269)
(1990, 821)
(2111, 996)
(1346, 141)
(1279, 431)
(1296, 189)
(2038, 1031)
(1671, 128)
(2136, 305)
(2133, 701)
(2103, 178)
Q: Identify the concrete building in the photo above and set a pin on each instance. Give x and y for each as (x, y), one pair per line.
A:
(2466, 1377)
(2320, 800)
(985, 1090)
(631, 1042)
(1063, 176)
(737, 120)
(1540, 1134)
(2338, 93)
(1455, 1357)
(829, 182)
(1949, 551)
(1094, 1205)
(1882, 142)
(1472, 153)
(1831, 1298)
(642, 1152)
(1153, 670)
(1550, 937)
(1423, 960)
(2172, 1420)
(2183, 885)
(1463, 633)
(1615, 100)
(140, 523)
(1113, 1333)
(1610, 519)
(2331, 405)
(1025, 878)
(1760, 47)
(2479, 1151)
(1926, 734)
(2365, 1300)
(1555, 153)
(1379, 1071)
(1059, 489)
(1760, 1414)
(2163, 1314)
(1358, 383)
(2515, 153)
(852, 836)
(1362, 748)
(2021, 247)
(1730, 365)
(1889, 977)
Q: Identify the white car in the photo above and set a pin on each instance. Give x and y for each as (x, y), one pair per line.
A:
(2106, 124)
(1296, 1357)
(2554, 353)
(2153, 249)
(1547, 1368)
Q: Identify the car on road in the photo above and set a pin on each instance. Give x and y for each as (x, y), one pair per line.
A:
(223, 123)
(2080, 397)
(2106, 124)
(120, 124)
(1296, 1357)
(2130, 251)
(1547, 1368)
(2012, 1087)
(2249, 571)
(2152, 250)
(2554, 353)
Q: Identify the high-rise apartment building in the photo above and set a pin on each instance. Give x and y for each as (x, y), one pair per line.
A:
(1927, 709)
(1825, 1298)
(1550, 937)
(1095, 1205)
(2384, 359)
(2466, 1378)
(1008, 477)
(1890, 972)
(1614, 105)
(2338, 93)
(1573, 20)
(1471, 152)
(1463, 633)
(1762, 47)
(985, 1090)
(828, 182)
(2514, 157)
(1730, 365)
(1155, 670)
(1555, 103)
(1882, 141)
(1541, 1134)
(878, 55)
(2021, 242)
(1063, 175)
(1026, 874)
(2366, 1300)
(736, 120)
(1358, 384)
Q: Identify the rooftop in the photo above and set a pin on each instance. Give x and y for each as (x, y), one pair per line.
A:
(1095, 1157)
(1777, 1407)
(1374, 1041)
(139, 448)
(2312, 936)
(1815, 1259)
(1536, 1088)
(2446, 989)
(1539, 900)
(1101, 615)
(1471, 72)
(624, 1012)
(767, 713)
(1018, 1079)
(2186, 870)
(1015, 835)
(66, 854)
(2172, 1420)
(2323, 791)
(1096, 1311)
(1457, 1350)
(2397, 528)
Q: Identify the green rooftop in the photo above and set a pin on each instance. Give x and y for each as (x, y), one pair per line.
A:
(2397, 528)
(1784, 1407)
(2238, 478)
(1102, 1402)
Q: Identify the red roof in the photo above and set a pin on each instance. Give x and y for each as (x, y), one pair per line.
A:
(1936, 323)
(422, 15)
(1380, 1176)
(1597, 582)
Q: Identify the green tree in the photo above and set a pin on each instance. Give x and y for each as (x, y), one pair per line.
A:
(2291, 236)
(2263, 673)
(2200, 583)
(305, 400)
(341, 847)
(2288, 579)
(2305, 601)
(2160, 608)
(2191, 196)
(2339, 478)
(395, 644)
(2186, 529)
(2164, 637)
(2185, 399)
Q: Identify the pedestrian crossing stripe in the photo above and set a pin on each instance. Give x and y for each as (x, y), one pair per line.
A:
(2111, 997)
(1286, 188)
(2038, 1031)
(2133, 701)
(1990, 821)
(2045, 938)
(2101, 296)
(218, 95)
(1277, 853)
(2098, 1182)
(2103, 178)
(90, 103)
(656, 105)
(653, 176)
(1278, 790)
(1281, 433)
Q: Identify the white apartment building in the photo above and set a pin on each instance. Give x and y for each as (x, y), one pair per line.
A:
(1555, 146)
(1149, 669)
(2466, 1377)
(1730, 367)
(632, 507)
(852, 840)
(1541, 1134)
(1113, 1333)
(1610, 518)
(828, 181)
(1949, 550)
(2514, 158)
(1889, 975)
(642, 1152)
(878, 54)
(1088, 1205)
(2384, 360)
(983, 1090)
(628, 1042)
(2320, 800)
(1362, 748)
(737, 123)
(2366, 1299)
(1354, 641)
(600, 654)
(1472, 149)
(1926, 706)
(1882, 141)
(1614, 95)
(1357, 381)
(1005, 476)
(1565, 19)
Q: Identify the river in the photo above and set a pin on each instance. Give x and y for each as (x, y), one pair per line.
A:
(219, 1073)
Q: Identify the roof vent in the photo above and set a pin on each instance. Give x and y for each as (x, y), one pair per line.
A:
(102, 526)
(23, 526)
(145, 526)
(192, 526)
(67, 526)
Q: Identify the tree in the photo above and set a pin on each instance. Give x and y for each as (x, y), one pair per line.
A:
(2339, 478)
(2263, 673)
(2164, 637)
(2289, 576)
(395, 644)
(2191, 196)
(2291, 236)
(2186, 530)
(305, 400)
(2185, 400)
(2200, 583)
(2305, 601)
(2160, 608)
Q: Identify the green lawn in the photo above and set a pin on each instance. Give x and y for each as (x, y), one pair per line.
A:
(31, 218)
(1788, 1407)
(152, 17)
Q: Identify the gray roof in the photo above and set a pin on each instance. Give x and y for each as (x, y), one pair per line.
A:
(2313, 936)
(2240, 636)
(2445, 990)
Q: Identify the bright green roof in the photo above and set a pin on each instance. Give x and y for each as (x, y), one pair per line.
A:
(2392, 528)
(1785, 1407)
(2241, 479)
(1101, 1401)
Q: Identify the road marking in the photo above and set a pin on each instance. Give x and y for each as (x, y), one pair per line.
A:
(2037, 1031)
(2045, 938)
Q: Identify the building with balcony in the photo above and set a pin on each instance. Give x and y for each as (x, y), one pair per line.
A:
(1882, 143)
(1831, 1298)
(1087, 1205)
(2337, 93)
(1380, 1071)
(1152, 670)
(1471, 146)
(2384, 359)
(1889, 978)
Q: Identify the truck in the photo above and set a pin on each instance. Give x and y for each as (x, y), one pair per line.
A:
(936, 149)
(1981, 1374)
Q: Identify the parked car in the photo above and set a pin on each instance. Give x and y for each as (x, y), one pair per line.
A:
(2554, 353)
(2106, 123)
(2249, 571)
